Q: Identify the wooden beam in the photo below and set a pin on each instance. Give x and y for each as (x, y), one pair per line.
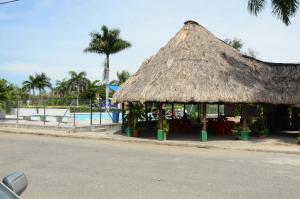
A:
(199, 112)
(160, 117)
(172, 111)
(244, 112)
(204, 128)
(146, 111)
(123, 113)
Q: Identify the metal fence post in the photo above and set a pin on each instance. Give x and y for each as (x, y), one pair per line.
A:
(91, 113)
(100, 104)
(44, 112)
(17, 111)
(74, 116)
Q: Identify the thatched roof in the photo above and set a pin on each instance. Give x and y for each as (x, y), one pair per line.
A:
(195, 66)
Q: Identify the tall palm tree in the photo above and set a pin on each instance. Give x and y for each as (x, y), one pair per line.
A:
(77, 83)
(30, 85)
(283, 9)
(106, 42)
(61, 87)
(42, 82)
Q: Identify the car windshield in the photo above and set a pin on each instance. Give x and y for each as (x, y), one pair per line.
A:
(6, 194)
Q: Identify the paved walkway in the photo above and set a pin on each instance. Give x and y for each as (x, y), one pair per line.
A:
(279, 145)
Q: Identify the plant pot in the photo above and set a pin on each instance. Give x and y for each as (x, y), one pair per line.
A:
(160, 135)
(129, 132)
(244, 135)
(136, 133)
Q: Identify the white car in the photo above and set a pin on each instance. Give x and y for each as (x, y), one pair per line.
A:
(13, 185)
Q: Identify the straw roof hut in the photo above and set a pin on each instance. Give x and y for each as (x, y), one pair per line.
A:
(195, 66)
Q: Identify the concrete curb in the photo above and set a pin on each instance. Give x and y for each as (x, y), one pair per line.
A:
(136, 140)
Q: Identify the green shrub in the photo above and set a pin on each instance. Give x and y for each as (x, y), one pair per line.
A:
(298, 140)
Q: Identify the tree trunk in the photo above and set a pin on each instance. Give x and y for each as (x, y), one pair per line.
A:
(107, 83)
(77, 96)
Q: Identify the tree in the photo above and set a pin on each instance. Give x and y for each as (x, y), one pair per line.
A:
(42, 82)
(235, 43)
(77, 83)
(123, 76)
(61, 87)
(30, 85)
(283, 9)
(106, 42)
(238, 45)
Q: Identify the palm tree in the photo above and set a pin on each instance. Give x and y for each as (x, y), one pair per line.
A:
(42, 82)
(283, 9)
(235, 43)
(77, 83)
(30, 85)
(61, 87)
(106, 42)
(123, 76)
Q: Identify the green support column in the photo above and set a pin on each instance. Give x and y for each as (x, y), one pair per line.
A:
(203, 133)
(160, 133)
(265, 115)
(245, 132)
(129, 129)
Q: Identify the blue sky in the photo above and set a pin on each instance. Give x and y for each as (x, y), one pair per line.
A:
(50, 35)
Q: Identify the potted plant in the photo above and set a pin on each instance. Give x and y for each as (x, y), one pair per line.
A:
(239, 132)
(162, 133)
(136, 113)
(258, 127)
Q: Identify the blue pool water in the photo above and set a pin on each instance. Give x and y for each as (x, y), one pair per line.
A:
(87, 116)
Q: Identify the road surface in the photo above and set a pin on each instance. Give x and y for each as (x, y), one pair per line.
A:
(67, 168)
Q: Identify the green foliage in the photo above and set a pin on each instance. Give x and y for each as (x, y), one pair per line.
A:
(257, 126)
(235, 43)
(106, 42)
(237, 130)
(40, 81)
(283, 9)
(8, 95)
(135, 112)
(166, 127)
(298, 140)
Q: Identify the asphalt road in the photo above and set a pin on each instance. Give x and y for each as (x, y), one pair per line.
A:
(71, 168)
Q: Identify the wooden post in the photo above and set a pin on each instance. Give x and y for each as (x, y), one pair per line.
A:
(160, 133)
(146, 111)
(129, 129)
(172, 111)
(123, 113)
(218, 110)
(199, 113)
(203, 134)
(265, 120)
(204, 128)
(244, 113)
(244, 133)
(160, 117)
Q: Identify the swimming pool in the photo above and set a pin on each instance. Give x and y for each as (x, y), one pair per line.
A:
(86, 116)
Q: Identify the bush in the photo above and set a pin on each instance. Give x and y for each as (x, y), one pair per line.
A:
(298, 140)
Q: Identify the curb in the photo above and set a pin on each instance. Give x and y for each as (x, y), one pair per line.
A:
(153, 142)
